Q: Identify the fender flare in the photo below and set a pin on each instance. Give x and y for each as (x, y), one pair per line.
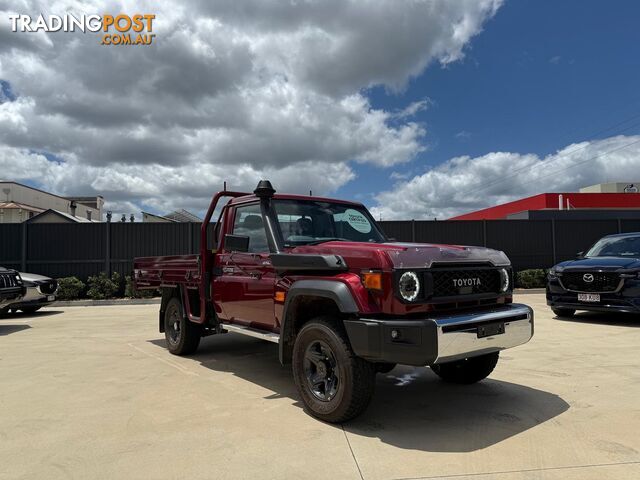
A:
(334, 290)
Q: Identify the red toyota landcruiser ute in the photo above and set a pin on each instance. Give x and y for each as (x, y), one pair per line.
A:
(319, 278)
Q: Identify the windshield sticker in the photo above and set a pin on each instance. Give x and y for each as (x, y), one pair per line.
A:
(357, 220)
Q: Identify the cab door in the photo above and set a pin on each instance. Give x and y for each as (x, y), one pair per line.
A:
(246, 280)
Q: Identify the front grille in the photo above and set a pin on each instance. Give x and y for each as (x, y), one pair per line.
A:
(48, 287)
(602, 281)
(8, 280)
(450, 283)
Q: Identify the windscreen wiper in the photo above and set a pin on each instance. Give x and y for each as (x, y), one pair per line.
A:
(323, 240)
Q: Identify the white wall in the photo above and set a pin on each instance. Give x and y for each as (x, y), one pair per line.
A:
(12, 192)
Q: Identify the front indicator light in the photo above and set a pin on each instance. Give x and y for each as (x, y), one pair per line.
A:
(372, 280)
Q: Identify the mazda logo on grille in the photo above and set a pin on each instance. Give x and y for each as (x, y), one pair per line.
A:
(587, 277)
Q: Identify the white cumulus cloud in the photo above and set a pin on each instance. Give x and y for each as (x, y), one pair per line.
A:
(464, 184)
(230, 90)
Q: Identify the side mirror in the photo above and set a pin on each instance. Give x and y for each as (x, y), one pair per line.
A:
(580, 255)
(236, 243)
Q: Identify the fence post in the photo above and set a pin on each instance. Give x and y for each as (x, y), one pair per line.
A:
(107, 249)
(484, 233)
(23, 256)
(413, 230)
(553, 241)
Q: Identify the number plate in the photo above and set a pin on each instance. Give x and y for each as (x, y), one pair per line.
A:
(588, 297)
(51, 298)
(490, 329)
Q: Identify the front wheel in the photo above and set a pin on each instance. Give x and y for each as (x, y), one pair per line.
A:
(563, 312)
(467, 370)
(182, 335)
(334, 384)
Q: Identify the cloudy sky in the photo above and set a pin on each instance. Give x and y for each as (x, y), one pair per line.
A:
(419, 109)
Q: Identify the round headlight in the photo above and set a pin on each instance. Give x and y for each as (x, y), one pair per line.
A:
(409, 286)
(504, 280)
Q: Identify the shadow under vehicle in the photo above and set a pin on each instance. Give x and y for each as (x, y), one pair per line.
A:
(412, 409)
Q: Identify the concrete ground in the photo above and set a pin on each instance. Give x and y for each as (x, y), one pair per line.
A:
(90, 393)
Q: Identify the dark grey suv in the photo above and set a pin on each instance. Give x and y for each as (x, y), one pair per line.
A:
(606, 278)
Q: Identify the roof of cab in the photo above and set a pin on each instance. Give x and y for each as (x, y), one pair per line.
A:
(286, 196)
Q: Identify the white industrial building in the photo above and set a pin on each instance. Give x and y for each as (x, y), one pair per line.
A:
(19, 203)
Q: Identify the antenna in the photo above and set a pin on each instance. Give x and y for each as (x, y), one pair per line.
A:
(224, 188)
(311, 193)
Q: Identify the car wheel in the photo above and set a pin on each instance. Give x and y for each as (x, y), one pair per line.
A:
(334, 384)
(468, 370)
(182, 336)
(563, 312)
(30, 310)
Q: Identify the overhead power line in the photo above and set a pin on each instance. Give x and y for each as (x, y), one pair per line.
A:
(556, 158)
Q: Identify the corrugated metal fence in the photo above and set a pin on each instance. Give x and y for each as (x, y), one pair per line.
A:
(60, 250)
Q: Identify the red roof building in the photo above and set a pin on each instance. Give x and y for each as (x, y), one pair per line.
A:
(557, 201)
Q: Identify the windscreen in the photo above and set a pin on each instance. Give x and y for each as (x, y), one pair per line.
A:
(305, 222)
(616, 247)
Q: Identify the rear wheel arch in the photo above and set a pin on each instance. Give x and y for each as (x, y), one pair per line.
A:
(308, 299)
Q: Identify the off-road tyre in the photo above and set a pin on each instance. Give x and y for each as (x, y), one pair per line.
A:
(350, 380)
(30, 310)
(182, 336)
(468, 370)
(563, 312)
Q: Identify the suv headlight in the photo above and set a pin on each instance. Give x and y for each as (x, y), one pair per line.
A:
(505, 283)
(409, 286)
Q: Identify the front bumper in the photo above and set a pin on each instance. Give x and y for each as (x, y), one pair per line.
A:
(626, 299)
(10, 295)
(33, 297)
(439, 339)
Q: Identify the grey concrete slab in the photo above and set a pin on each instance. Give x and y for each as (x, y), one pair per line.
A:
(92, 393)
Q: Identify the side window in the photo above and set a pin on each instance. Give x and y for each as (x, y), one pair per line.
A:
(248, 222)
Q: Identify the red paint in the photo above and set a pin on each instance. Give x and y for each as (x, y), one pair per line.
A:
(546, 201)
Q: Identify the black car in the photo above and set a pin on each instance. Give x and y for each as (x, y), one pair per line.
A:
(606, 278)
(12, 288)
